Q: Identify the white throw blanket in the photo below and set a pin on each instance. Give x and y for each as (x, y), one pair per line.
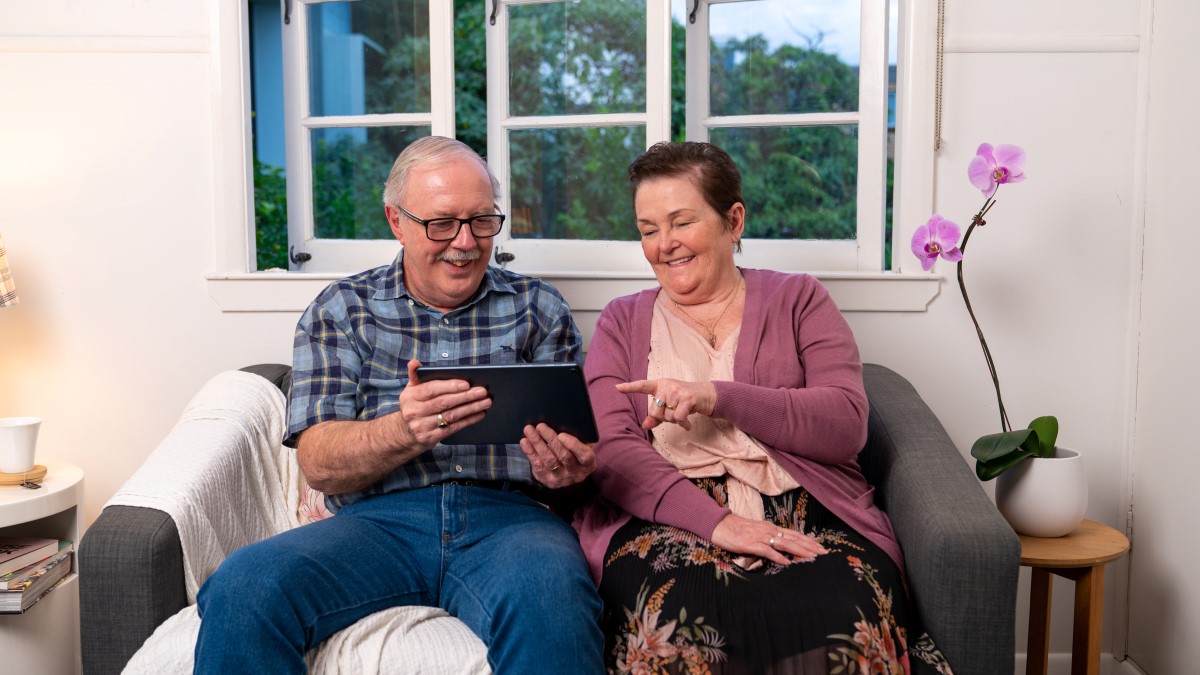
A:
(224, 477)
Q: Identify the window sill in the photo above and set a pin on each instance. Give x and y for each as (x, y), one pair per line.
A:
(852, 291)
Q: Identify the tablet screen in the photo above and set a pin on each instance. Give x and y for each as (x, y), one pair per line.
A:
(522, 393)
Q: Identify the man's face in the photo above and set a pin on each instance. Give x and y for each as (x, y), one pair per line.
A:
(444, 274)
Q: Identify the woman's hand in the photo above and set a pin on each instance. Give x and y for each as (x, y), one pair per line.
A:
(558, 460)
(765, 540)
(673, 400)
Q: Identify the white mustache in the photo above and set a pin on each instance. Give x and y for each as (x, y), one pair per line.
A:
(452, 255)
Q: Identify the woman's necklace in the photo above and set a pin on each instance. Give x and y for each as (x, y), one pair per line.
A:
(712, 330)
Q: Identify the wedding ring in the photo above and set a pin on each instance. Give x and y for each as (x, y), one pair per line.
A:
(771, 541)
(442, 423)
(669, 407)
(556, 467)
(780, 534)
(659, 403)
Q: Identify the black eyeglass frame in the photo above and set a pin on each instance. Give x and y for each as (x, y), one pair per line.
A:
(469, 222)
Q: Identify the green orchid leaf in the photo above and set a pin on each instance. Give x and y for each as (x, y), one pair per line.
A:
(989, 448)
(1047, 433)
(989, 470)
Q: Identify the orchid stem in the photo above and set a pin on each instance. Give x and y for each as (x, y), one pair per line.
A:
(987, 354)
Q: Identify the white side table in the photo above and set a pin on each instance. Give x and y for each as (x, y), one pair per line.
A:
(45, 639)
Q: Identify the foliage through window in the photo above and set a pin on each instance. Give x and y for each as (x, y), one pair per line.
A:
(575, 92)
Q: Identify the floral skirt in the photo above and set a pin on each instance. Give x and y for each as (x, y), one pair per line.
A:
(674, 603)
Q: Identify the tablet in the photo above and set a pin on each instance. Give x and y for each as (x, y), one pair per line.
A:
(522, 393)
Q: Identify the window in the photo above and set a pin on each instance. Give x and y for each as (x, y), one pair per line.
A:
(560, 95)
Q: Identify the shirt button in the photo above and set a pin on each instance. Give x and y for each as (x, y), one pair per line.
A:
(446, 321)
(458, 468)
(411, 303)
(445, 355)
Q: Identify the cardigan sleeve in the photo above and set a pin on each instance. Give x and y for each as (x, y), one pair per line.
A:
(629, 471)
(799, 389)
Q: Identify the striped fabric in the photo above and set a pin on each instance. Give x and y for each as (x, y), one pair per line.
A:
(8, 290)
(353, 343)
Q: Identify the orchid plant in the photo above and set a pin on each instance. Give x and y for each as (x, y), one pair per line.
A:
(938, 238)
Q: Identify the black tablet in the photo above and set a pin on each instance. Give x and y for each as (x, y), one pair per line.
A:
(523, 393)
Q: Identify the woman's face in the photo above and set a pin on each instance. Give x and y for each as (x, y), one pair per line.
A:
(688, 244)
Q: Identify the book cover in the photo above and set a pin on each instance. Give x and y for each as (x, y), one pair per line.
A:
(18, 552)
(18, 601)
(18, 580)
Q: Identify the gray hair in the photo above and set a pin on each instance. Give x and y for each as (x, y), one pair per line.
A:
(428, 152)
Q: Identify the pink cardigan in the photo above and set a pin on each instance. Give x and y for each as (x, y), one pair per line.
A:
(798, 390)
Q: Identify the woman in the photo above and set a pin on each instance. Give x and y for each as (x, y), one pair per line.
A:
(734, 532)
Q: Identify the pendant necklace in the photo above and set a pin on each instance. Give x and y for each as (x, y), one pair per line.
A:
(712, 331)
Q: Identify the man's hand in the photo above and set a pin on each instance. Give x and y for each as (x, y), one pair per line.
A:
(339, 456)
(673, 400)
(432, 411)
(558, 460)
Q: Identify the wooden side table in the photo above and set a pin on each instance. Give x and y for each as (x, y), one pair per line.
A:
(1081, 556)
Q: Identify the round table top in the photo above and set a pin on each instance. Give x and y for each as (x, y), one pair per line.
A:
(1090, 544)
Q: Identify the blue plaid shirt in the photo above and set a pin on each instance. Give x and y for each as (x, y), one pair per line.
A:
(354, 341)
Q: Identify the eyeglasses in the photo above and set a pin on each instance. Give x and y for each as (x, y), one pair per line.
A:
(446, 229)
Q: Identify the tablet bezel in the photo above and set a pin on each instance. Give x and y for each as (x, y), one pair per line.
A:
(522, 393)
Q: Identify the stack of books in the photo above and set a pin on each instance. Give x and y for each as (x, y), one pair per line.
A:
(29, 569)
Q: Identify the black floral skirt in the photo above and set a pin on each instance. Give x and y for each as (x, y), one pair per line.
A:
(675, 603)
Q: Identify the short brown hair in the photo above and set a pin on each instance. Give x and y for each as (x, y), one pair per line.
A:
(710, 168)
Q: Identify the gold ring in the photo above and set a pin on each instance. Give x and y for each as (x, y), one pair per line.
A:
(659, 403)
(442, 423)
(556, 467)
(669, 407)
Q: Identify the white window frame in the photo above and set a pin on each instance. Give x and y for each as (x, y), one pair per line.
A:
(865, 252)
(549, 256)
(345, 255)
(236, 287)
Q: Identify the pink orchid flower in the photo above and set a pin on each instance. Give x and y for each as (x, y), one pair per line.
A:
(989, 169)
(938, 237)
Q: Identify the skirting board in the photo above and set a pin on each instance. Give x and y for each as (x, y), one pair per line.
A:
(1060, 664)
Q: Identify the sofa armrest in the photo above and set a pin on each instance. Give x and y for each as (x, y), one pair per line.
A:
(131, 580)
(131, 568)
(962, 557)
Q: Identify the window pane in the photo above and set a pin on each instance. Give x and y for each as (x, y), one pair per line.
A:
(586, 56)
(799, 182)
(368, 57)
(570, 183)
(784, 56)
(349, 168)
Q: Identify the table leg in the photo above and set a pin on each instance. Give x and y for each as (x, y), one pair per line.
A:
(1037, 648)
(1089, 619)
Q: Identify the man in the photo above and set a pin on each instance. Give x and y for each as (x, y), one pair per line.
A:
(418, 523)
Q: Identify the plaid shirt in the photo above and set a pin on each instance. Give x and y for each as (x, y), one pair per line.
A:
(354, 341)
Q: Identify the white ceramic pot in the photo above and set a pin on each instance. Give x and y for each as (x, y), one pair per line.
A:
(1044, 496)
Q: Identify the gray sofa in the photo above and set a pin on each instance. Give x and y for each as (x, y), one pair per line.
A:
(962, 557)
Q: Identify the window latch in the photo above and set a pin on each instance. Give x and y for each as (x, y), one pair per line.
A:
(298, 258)
(495, 11)
(504, 257)
(692, 14)
(287, 11)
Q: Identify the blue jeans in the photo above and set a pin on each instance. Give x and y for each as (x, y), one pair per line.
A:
(508, 568)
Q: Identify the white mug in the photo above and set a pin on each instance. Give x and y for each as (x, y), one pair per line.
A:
(18, 442)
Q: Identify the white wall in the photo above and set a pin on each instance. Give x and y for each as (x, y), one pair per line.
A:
(109, 212)
(1164, 588)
